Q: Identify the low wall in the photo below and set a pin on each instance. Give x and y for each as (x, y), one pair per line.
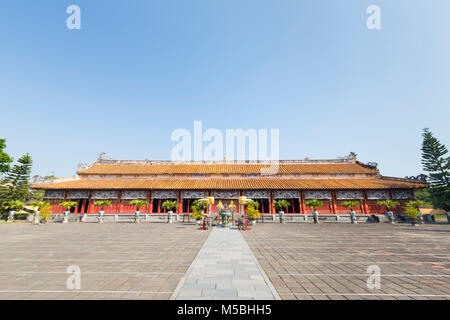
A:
(163, 218)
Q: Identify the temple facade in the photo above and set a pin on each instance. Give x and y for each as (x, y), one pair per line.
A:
(332, 181)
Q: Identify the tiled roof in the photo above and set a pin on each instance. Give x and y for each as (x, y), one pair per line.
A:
(303, 168)
(256, 183)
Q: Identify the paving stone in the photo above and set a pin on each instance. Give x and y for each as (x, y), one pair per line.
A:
(229, 270)
(302, 263)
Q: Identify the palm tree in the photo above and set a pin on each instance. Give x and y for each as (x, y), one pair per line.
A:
(389, 204)
(169, 205)
(102, 204)
(68, 205)
(314, 204)
(280, 205)
(139, 203)
(351, 205)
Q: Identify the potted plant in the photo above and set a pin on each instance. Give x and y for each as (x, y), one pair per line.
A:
(11, 206)
(68, 205)
(413, 211)
(45, 214)
(314, 204)
(169, 206)
(252, 211)
(280, 205)
(41, 206)
(351, 205)
(389, 204)
(101, 204)
(198, 208)
(138, 203)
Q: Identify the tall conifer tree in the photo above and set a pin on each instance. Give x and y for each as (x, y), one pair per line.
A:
(435, 162)
(18, 179)
(5, 159)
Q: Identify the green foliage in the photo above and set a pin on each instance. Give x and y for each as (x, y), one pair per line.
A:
(314, 204)
(45, 213)
(389, 204)
(440, 198)
(17, 181)
(40, 204)
(196, 214)
(11, 205)
(169, 205)
(68, 204)
(252, 212)
(412, 212)
(435, 161)
(417, 203)
(280, 205)
(423, 194)
(102, 204)
(351, 204)
(253, 204)
(5, 159)
(139, 203)
(37, 195)
(198, 205)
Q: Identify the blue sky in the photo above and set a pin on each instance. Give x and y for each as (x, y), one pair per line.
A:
(137, 70)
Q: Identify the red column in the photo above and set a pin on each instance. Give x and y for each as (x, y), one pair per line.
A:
(150, 202)
(302, 202)
(333, 201)
(272, 209)
(159, 206)
(180, 203)
(364, 203)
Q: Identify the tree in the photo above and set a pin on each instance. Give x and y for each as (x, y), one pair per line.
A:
(18, 179)
(412, 208)
(351, 204)
(5, 159)
(314, 204)
(139, 203)
(280, 204)
(389, 204)
(102, 204)
(11, 205)
(68, 205)
(435, 162)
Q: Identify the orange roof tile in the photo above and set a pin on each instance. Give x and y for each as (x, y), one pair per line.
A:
(301, 168)
(255, 183)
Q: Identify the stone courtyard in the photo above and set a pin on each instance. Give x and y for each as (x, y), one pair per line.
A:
(272, 261)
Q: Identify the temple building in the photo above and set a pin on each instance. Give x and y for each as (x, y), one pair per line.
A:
(332, 181)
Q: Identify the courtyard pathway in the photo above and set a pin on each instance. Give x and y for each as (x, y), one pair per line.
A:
(225, 268)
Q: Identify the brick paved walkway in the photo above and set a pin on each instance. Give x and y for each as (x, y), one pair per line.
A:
(117, 260)
(329, 261)
(225, 268)
(147, 261)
